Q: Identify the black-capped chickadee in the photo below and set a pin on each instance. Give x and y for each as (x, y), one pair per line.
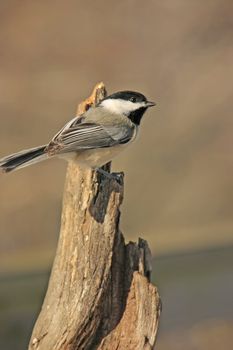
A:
(92, 139)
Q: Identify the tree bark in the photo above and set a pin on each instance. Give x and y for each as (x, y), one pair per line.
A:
(99, 294)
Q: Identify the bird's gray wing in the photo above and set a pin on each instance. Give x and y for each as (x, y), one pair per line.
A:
(89, 136)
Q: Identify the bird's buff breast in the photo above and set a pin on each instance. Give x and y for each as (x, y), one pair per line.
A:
(98, 157)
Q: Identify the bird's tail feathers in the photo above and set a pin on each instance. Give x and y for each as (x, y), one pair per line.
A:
(22, 159)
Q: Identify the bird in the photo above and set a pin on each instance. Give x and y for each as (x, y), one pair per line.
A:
(92, 139)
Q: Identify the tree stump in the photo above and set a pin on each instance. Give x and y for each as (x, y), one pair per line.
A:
(99, 294)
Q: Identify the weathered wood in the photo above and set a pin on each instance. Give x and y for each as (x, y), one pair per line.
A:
(99, 294)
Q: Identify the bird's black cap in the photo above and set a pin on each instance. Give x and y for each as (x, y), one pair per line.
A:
(128, 96)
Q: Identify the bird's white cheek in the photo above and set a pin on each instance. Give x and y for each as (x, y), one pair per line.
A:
(121, 106)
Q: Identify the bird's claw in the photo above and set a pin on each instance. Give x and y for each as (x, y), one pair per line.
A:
(111, 176)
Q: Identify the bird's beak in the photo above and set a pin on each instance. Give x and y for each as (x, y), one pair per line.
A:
(150, 104)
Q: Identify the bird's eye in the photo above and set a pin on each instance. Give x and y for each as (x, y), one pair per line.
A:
(133, 99)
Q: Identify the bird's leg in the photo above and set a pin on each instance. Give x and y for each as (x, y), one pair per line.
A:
(105, 173)
(112, 176)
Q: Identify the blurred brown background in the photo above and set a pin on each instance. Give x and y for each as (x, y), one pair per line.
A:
(178, 193)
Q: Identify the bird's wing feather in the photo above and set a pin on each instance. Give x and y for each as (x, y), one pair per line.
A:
(89, 136)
